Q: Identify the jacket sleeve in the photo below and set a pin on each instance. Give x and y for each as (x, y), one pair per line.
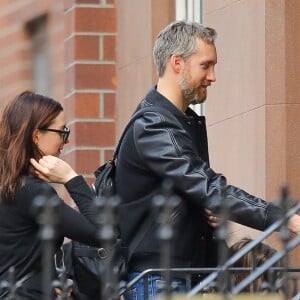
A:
(167, 150)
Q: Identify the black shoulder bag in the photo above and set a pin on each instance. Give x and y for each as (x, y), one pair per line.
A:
(89, 262)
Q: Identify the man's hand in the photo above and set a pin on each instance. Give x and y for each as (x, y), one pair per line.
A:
(53, 169)
(212, 219)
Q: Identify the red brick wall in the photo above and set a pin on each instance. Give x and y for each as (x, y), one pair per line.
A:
(82, 50)
(90, 59)
(15, 59)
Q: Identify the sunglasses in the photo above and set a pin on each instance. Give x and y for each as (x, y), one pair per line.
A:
(63, 133)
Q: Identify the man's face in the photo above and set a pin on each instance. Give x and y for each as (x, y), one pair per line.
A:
(198, 73)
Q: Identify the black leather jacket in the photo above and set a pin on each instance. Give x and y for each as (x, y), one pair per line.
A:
(169, 144)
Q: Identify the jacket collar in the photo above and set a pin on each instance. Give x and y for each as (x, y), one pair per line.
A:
(153, 97)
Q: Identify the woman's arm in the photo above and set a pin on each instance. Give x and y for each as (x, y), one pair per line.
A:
(52, 169)
(70, 223)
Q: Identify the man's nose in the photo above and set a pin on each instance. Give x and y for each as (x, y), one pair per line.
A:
(211, 75)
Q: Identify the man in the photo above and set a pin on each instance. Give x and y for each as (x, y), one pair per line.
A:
(171, 143)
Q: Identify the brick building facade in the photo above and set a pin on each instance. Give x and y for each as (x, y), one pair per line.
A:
(78, 68)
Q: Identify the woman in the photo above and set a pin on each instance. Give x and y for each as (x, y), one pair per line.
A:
(33, 126)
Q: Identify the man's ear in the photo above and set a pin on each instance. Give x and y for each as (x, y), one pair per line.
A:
(35, 136)
(176, 62)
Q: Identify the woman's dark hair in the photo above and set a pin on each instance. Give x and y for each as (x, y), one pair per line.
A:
(254, 258)
(27, 112)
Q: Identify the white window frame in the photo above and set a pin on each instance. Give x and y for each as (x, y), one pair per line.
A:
(191, 10)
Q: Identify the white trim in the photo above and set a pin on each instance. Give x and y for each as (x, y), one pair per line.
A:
(180, 10)
(191, 10)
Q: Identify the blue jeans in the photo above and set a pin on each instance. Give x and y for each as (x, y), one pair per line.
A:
(155, 287)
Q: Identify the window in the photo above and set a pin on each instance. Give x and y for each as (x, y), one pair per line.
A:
(40, 67)
(191, 10)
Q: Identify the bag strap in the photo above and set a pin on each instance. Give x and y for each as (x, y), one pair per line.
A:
(135, 116)
(92, 252)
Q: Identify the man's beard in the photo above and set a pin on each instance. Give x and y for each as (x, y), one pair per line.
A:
(190, 94)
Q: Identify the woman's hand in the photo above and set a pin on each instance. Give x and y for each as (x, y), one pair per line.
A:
(52, 169)
(212, 219)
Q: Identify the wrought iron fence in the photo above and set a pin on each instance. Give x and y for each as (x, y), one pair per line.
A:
(283, 279)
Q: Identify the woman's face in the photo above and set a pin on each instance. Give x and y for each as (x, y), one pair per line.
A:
(51, 140)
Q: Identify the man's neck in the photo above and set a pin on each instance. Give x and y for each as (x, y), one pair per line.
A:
(173, 94)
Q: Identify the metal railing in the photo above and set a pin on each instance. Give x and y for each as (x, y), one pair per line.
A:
(214, 280)
(271, 261)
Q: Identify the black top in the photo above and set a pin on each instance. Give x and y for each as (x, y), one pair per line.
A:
(20, 245)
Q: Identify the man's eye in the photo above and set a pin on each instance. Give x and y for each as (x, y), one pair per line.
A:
(205, 66)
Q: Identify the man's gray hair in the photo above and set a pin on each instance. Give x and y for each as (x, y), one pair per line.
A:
(179, 38)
